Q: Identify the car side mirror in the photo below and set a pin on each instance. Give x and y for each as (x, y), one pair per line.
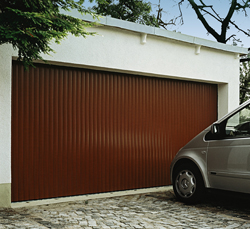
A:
(215, 128)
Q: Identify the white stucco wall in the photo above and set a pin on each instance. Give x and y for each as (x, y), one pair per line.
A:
(118, 47)
(5, 114)
(121, 50)
(5, 125)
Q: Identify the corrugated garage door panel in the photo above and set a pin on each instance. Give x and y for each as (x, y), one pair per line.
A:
(78, 131)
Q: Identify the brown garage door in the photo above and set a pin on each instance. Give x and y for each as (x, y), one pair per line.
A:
(78, 131)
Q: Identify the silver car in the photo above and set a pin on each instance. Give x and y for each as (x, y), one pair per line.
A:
(218, 158)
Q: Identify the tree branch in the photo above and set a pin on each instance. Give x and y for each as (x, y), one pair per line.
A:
(215, 17)
(230, 37)
(237, 27)
(227, 20)
(239, 6)
(203, 20)
(172, 21)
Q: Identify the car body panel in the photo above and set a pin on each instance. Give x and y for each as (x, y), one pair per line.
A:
(195, 151)
(228, 164)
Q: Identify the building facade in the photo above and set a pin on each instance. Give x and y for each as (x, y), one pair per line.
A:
(110, 111)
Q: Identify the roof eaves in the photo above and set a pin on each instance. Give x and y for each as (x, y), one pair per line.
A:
(131, 26)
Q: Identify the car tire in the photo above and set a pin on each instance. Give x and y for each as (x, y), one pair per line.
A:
(188, 184)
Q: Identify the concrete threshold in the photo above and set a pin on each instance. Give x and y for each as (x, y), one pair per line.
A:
(89, 197)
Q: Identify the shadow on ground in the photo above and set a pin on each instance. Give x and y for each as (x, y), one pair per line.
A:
(223, 202)
(230, 203)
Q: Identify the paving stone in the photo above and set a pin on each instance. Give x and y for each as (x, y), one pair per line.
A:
(152, 210)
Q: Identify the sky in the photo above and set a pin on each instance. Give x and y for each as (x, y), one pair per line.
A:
(192, 26)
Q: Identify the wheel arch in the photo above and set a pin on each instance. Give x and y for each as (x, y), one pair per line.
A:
(192, 162)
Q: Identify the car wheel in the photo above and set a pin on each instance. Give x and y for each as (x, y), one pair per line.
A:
(188, 184)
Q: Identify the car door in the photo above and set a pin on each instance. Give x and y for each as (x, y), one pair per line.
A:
(228, 155)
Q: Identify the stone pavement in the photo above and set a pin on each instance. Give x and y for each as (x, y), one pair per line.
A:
(151, 210)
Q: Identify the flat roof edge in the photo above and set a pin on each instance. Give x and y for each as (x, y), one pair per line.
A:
(135, 27)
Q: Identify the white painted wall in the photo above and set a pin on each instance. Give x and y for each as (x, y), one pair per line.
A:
(118, 47)
(5, 125)
(5, 114)
(120, 50)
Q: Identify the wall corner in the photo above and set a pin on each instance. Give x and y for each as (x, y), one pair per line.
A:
(222, 100)
(228, 98)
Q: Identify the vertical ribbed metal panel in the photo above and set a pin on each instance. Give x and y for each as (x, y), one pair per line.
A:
(78, 131)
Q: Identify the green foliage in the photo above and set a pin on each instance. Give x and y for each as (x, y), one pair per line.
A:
(244, 81)
(130, 10)
(31, 25)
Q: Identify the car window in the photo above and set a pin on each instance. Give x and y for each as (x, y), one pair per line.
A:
(238, 126)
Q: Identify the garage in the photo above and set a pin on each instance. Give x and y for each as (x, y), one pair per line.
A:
(78, 131)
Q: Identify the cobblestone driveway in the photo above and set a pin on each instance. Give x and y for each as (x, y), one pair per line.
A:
(151, 210)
